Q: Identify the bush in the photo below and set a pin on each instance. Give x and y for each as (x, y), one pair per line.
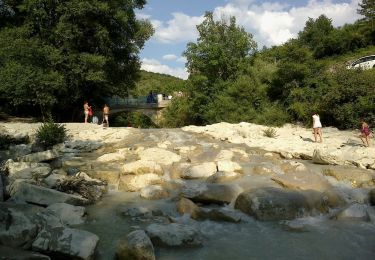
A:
(270, 132)
(133, 119)
(50, 133)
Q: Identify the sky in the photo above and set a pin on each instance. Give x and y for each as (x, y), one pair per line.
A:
(271, 22)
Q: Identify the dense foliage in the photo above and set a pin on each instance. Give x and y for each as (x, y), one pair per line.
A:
(229, 81)
(132, 119)
(56, 54)
(50, 133)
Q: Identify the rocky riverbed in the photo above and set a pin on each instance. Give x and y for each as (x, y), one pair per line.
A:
(222, 191)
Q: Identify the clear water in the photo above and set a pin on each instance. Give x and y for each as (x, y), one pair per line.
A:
(322, 238)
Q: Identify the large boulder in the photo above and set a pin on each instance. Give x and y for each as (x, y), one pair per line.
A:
(41, 195)
(12, 167)
(19, 150)
(66, 243)
(263, 170)
(203, 170)
(141, 167)
(110, 176)
(355, 211)
(224, 155)
(356, 177)
(154, 192)
(159, 155)
(35, 173)
(220, 177)
(325, 157)
(83, 145)
(10, 253)
(52, 180)
(212, 193)
(279, 204)
(40, 156)
(174, 235)
(221, 214)
(136, 246)
(69, 214)
(137, 182)
(228, 166)
(186, 206)
(302, 181)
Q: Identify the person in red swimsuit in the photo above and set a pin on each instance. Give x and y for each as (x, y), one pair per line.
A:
(365, 133)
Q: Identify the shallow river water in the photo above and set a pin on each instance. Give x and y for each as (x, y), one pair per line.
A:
(321, 238)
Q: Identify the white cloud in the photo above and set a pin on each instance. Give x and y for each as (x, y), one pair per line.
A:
(170, 57)
(275, 23)
(179, 29)
(153, 65)
(182, 60)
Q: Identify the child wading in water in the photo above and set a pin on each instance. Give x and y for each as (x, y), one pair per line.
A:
(365, 133)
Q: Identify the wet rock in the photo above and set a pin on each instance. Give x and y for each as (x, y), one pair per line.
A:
(34, 173)
(53, 179)
(372, 197)
(263, 170)
(174, 235)
(137, 182)
(222, 176)
(158, 155)
(10, 253)
(224, 155)
(278, 204)
(73, 163)
(12, 167)
(42, 196)
(20, 150)
(141, 167)
(355, 211)
(323, 157)
(72, 171)
(178, 169)
(293, 166)
(356, 177)
(203, 170)
(111, 157)
(136, 245)
(111, 176)
(39, 157)
(66, 242)
(69, 214)
(221, 214)
(154, 192)
(302, 181)
(83, 146)
(186, 206)
(137, 212)
(228, 166)
(286, 155)
(212, 193)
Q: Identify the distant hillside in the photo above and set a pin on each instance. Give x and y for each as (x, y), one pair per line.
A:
(160, 83)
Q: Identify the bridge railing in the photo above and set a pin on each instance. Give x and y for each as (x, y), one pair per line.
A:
(117, 102)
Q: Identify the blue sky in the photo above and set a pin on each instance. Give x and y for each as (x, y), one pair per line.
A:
(271, 22)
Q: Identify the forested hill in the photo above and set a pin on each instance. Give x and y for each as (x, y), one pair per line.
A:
(158, 83)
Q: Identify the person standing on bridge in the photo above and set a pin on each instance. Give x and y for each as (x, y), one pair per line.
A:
(105, 115)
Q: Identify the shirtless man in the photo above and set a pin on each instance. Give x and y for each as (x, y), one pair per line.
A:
(86, 109)
(105, 114)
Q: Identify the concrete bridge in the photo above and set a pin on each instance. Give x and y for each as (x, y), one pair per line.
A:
(151, 107)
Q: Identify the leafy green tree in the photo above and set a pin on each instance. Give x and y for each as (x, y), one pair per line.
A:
(367, 9)
(69, 51)
(315, 30)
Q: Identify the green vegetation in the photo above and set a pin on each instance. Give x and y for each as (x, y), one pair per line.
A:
(133, 119)
(230, 81)
(50, 133)
(54, 54)
(270, 132)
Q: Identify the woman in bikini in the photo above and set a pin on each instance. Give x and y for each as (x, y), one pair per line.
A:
(86, 109)
(105, 114)
(317, 128)
(365, 133)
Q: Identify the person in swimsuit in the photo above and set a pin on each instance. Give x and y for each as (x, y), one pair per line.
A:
(365, 133)
(317, 128)
(86, 109)
(105, 114)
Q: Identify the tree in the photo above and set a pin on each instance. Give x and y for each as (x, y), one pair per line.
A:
(367, 9)
(71, 50)
(315, 30)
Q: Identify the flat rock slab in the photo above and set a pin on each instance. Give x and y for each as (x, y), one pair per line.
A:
(69, 214)
(12, 167)
(159, 155)
(356, 177)
(39, 157)
(174, 235)
(67, 243)
(43, 196)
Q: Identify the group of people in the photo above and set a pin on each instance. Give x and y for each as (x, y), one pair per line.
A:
(89, 113)
(317, 131)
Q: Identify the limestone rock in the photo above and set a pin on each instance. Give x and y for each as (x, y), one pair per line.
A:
(10, 253)
(19, 150)
(66, 242)
(228, 166)
(220, 214)
(186, 206)
(174, 235)
(142, 166)
(203, 170)
(35, 173)
(42, 196)
(224, 155)
(177, 169)
(40, 156)
(83, 146)
(222, 176)
(323, 157)
(354, 212)
(69, 214)
(12, 167)
(154, 192)
(111, 157)
(356, 177)
(159, 155)
(53, 179)
(302, 181)
(136, 245)
(110, 176)
(137, 182)
(263, 170)
(293, 166)
(278, 204)
(212, 193)
(185, 149)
